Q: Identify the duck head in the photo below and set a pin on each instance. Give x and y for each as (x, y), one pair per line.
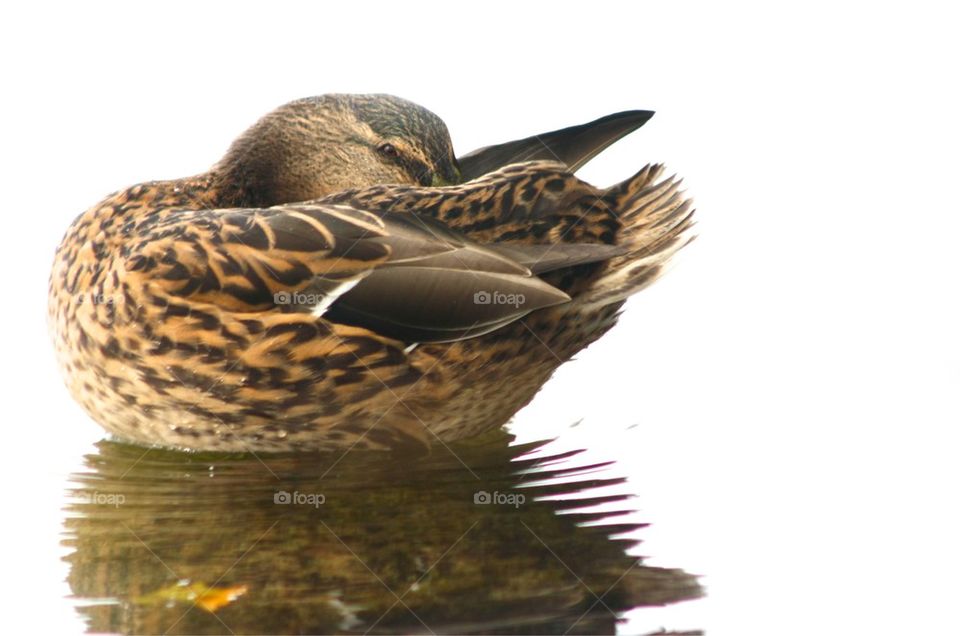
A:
(318, 145)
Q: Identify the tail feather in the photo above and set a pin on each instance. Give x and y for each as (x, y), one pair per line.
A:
(657, 222)
(619, 194)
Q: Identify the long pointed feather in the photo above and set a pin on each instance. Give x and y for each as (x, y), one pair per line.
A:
(574, 146)
(546, 258)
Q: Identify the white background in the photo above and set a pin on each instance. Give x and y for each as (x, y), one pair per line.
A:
(793, 381)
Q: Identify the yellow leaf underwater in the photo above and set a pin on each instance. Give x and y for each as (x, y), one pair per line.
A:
(199, 594)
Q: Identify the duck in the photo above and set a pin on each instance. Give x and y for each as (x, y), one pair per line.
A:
(340, 279)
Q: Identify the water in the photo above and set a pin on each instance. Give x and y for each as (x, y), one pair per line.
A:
(490, 536)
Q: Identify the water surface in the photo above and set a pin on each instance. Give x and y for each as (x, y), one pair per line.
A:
(480, 537)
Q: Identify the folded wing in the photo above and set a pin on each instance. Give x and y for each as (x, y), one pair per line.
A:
(403, 276)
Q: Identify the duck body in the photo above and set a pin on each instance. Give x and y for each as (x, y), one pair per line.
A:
(340, 280)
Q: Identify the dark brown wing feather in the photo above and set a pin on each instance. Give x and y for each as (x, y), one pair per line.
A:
(547, 258)
(439, 296)
(574, 146)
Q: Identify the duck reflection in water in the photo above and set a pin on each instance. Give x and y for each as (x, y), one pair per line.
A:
(480, 537)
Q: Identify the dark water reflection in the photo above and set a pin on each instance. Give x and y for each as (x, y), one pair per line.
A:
(165, 542)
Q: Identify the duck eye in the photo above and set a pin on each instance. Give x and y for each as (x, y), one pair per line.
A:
(388, 150)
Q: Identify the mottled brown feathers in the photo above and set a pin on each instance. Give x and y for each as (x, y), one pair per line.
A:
(310, 292)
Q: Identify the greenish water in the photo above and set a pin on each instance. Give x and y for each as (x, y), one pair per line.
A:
(485, 537)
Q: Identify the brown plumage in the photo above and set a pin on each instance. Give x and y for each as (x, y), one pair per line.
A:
(325, 286)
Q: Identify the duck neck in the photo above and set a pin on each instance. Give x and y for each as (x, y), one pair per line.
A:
(213, 189)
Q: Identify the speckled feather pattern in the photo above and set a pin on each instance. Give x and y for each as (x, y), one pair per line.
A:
(163, 312)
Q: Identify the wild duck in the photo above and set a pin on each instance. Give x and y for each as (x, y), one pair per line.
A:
(341, 279)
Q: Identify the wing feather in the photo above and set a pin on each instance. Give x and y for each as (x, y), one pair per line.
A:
(573, 146)
(404, 276)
